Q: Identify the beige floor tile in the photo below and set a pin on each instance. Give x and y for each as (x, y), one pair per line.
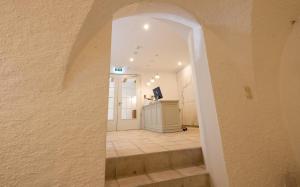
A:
(194, 170)
(126, 152)
(126, 147)
(153, 149)
(175, 147)
(110, 148)
(122, 144)
(146, 144)
(111, 153)
(168, 144)
(164, 175)
(134, 142)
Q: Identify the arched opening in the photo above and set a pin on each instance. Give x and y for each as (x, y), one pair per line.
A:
(206, 111)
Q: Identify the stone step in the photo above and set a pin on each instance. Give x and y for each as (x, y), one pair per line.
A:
(194, 176)
(126, 166)
(135, 165)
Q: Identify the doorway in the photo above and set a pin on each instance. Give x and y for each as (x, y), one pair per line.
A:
(123, 113)
(207, 116)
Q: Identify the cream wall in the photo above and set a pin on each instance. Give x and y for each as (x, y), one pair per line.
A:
(270, 33)
(187, 98)
(51, 136)
(290, 89)
(54, 73)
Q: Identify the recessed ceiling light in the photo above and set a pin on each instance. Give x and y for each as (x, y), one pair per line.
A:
(148, 83)
(179, 63)
(146, 26)
(152, 80)
(131, 59)
(157, 76)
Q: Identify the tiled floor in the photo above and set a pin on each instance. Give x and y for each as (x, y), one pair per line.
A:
(124, 143)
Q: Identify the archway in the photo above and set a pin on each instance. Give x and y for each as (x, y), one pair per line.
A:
(210, 135)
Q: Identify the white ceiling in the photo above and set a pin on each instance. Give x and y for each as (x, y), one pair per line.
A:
(157, 49)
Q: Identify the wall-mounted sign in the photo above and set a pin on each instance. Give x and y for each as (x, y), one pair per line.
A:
(118, 70)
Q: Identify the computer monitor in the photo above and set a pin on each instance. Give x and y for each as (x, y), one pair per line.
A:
(157, 93)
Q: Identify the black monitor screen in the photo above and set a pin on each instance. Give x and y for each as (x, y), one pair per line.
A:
(157, 93)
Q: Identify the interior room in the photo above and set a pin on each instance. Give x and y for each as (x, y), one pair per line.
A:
(152, 103)
(154, 54)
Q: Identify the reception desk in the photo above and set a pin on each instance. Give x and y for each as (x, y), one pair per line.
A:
(162, 116)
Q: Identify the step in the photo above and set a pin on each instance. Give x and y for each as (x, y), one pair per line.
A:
(126, 166)
(194, 176)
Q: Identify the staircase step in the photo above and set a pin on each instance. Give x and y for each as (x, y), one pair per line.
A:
(137, 165)
(194, 176)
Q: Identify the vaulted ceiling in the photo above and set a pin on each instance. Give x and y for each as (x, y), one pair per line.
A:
(159, 48)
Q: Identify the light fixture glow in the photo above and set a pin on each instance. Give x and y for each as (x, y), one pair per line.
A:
(146, 26)
(157, 76)
(131, 59)
(152, 80)
(148, 83)
(179, 63)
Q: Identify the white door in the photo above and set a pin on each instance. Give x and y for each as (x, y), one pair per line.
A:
(123, 107)
(112, 100)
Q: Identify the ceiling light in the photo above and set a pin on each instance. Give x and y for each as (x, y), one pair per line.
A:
(131, 59)
(146, 27)
(148, 83)
(157, 76)
(179, 63)
(152, 80)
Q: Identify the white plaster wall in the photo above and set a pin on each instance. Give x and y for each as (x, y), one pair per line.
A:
(53, 135)
(187, 98)
(167, 84)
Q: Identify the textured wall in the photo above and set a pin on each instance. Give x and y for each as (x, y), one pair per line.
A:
(290, 89)
(271, 26)
(50, 136)
(54, 62)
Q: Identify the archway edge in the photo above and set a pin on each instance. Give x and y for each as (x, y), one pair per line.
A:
(165, 10)
(90, 28)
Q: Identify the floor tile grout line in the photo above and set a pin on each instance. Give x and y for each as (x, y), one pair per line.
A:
(138, 147)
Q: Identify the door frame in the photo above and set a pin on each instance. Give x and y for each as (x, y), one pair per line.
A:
(116, 123)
